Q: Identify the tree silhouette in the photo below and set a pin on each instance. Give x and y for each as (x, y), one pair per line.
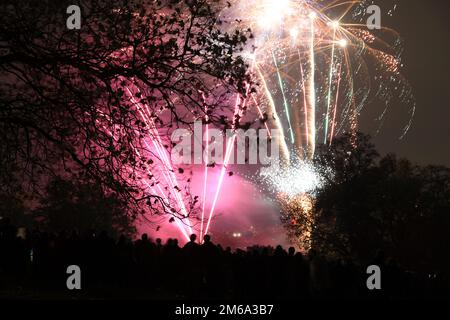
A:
(67, 97)
(82, 206)
(371, 204)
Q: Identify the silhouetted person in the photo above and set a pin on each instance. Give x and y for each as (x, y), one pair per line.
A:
(210, 258)
(124, 266)
(145, 252)
(191, 255)
(208, 248)
(291, 252)
(302, 279)
(192, 246)
(38, 260)
(319, 275)
(7, 230)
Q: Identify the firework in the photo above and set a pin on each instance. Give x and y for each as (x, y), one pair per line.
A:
(299, 177)
(298, 211)
(318, 68)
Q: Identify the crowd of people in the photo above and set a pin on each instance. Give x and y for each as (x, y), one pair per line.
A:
(35, 266)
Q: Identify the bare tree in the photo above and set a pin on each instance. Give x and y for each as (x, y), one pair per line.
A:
(68, 98)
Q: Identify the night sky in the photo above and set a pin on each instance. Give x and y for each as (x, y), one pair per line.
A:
(425, 29)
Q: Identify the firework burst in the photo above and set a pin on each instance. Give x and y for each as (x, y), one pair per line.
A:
(318, 68)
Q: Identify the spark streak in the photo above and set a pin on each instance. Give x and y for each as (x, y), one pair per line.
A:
(168, 174)
(205, 181)
(312, 94)
(286, 105)
(330, 85)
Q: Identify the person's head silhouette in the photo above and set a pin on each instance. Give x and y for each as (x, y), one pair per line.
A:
(193, 237)
(291, 251)
(207, 238)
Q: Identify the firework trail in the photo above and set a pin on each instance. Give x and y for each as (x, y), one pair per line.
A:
(238, 112)
(310, 54)
(158, 179)
(318, 67)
